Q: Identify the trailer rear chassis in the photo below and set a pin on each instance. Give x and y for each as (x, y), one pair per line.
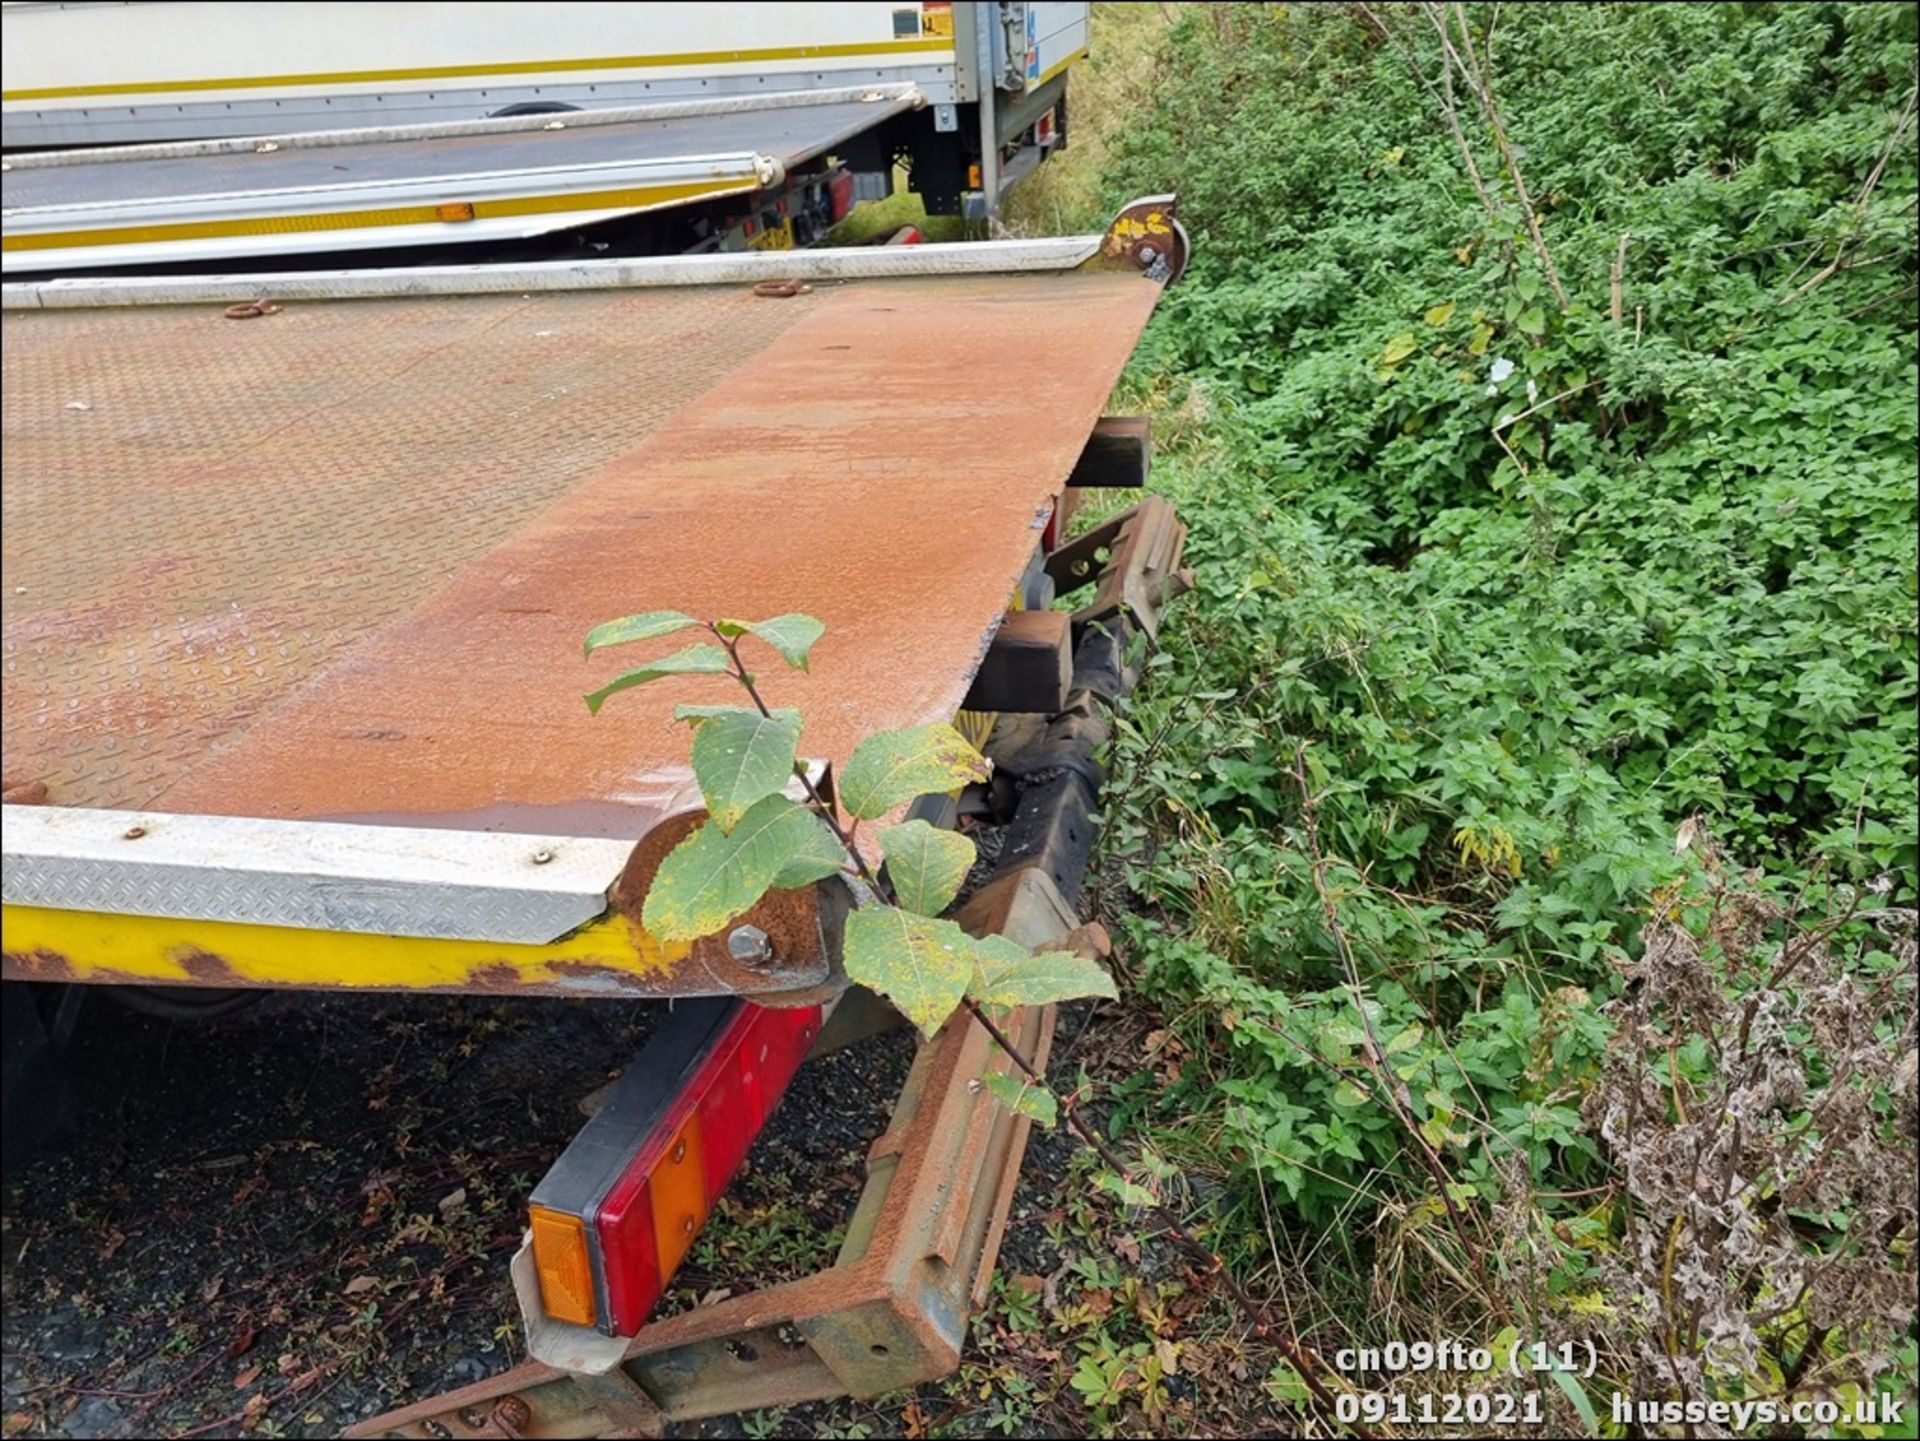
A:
(891, 1312)
(924, 1237)
(925, 1234)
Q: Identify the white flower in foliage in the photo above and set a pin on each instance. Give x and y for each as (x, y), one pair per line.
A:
(1502, 368)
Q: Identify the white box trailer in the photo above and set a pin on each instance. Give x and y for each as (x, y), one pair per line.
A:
(98, 74)
(234, 131)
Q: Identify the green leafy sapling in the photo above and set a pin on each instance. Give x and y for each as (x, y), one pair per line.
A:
(770, 827)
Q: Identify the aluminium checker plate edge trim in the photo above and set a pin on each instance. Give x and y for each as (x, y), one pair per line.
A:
(876, 262)
(313, 875)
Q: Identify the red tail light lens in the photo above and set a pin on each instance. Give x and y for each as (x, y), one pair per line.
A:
(644, 1174)
(746, 1086)
(840, 194)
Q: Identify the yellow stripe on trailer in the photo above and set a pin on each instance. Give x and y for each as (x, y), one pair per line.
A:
(55, 945)
(853, 51)
(1058, 67)
(640, 198)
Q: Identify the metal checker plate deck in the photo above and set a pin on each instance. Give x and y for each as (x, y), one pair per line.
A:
(336, 562)
(201, 513)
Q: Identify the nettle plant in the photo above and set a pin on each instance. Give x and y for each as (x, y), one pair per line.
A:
(758, 837)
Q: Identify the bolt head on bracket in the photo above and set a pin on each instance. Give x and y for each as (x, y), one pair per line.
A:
(749, 945)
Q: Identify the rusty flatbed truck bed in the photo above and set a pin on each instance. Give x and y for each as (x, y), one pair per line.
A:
(293, 606)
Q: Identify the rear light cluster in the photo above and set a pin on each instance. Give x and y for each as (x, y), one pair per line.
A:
(617, 1213)
(840, 194)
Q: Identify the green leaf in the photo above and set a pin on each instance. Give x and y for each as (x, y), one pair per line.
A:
(925, 864)
(1008, 974)
(1577, 1394)
(694, 714)
(918, 963)
(1284, 1383)
(742, 757)
(1130, 1192)
(1339, 1036)
(1440, 314)
(1407, 1039)
(1399, 348)
(1022, 1097)
(1528, 285)
(714, 875)
(647, 626)
(1532, 321)
(890, 768)
(816, 853)
(1348, 1094)
(792, 635)
(694, 660)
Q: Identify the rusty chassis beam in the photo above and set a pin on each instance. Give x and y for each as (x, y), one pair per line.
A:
(1133, 562)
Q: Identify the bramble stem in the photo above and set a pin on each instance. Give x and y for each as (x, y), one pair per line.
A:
(1375, 1053)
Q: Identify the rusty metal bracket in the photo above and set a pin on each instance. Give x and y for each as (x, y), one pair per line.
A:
(1147, 237)
(629, 1411)
(1133, 562)
(891, 1312)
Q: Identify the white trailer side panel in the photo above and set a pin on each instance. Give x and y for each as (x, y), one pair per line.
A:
(74, 74)
(1057, 35)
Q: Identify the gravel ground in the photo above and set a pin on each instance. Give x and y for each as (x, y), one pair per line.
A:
(297, 1216)
(290, 1218)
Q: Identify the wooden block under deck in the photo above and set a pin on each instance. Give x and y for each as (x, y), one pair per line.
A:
(1116, 454)
(1029, 665)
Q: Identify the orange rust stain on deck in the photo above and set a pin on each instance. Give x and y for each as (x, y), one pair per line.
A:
(878, 456)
